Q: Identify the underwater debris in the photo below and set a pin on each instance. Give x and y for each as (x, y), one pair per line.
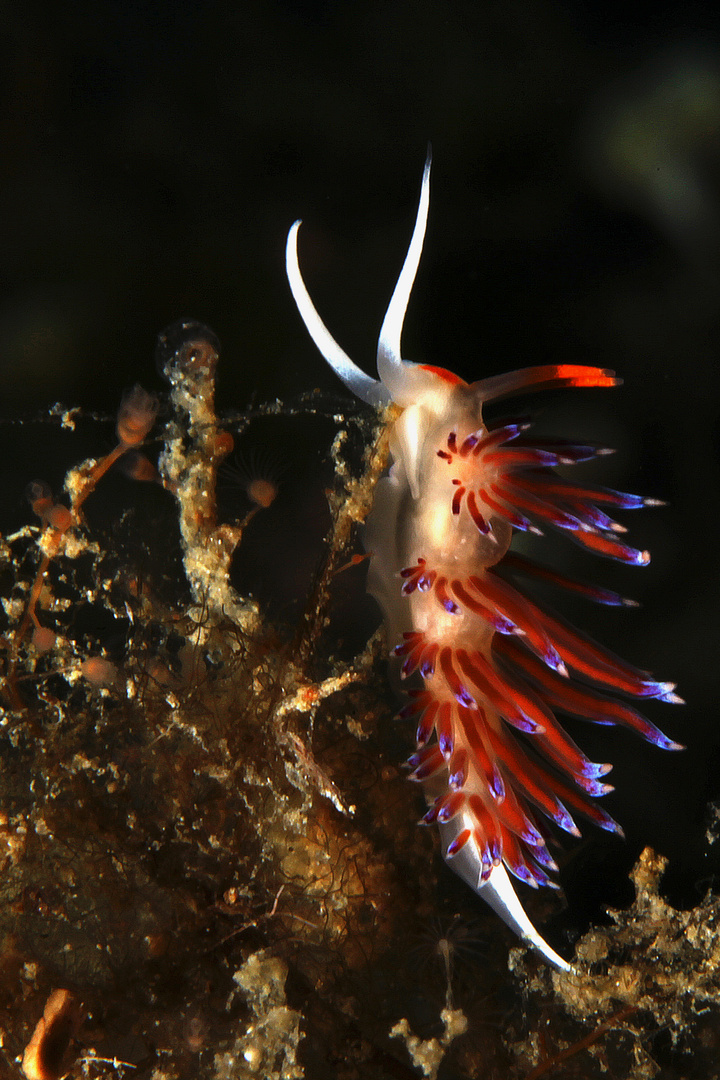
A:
(427, 1054)
(268, 1045)
(187, 356)
(650, 981)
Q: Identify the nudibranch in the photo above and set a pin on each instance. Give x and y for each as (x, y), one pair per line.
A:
(489, 662)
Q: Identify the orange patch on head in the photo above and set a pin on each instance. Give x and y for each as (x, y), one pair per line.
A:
(447, 376)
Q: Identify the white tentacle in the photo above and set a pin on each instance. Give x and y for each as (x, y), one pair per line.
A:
(392, 369)
(360, 384)
(497, 891)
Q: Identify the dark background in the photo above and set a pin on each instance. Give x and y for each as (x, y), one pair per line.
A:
(154, 155)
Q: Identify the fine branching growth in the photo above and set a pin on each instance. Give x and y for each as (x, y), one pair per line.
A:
(200, 851)
(645, 993)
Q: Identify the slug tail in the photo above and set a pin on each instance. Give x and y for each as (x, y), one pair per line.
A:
(498, 892)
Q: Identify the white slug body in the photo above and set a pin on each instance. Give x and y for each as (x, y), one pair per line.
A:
(483, 660)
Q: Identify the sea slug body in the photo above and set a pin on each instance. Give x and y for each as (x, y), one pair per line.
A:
(488, 661)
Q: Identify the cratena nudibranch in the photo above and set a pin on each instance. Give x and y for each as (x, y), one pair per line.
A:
(489, 662)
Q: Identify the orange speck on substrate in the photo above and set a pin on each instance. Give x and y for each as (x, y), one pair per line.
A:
(136, 466)
(59, 517)
(262, 492)
(258, 478)
(224, 444)
(98, 671)
(40, 498)
(309, 696)
(356, 560)
(136, 416)
(43, 639)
